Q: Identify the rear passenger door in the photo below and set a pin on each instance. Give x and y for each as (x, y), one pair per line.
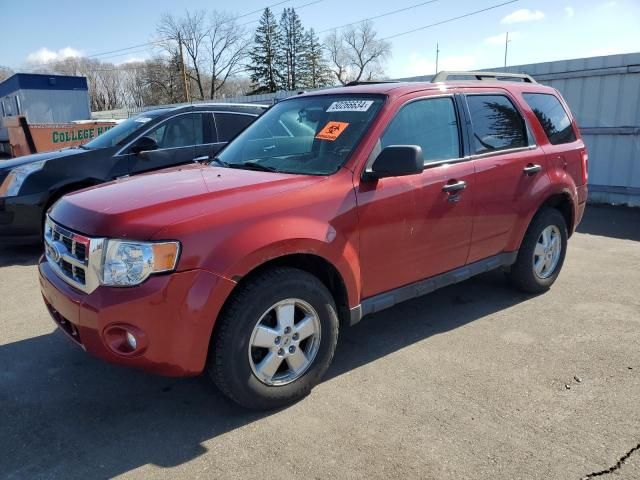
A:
(509, 166)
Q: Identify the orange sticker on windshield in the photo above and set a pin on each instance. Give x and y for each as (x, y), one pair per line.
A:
(332, 130)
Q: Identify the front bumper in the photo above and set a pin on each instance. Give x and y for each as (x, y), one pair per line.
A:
(173, 314)
(21, 219)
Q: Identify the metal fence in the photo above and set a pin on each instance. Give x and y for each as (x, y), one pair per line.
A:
(604, 95)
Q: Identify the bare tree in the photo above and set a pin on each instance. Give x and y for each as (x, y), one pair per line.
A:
(227, 46)
(356, 53)
(5, 72)
(192, 31)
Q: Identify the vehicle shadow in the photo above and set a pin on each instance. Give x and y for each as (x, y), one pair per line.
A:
(611, 221)
(22, 255)
(67, 415)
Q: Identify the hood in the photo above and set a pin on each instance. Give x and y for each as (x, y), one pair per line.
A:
(36, 157)
(137, 207)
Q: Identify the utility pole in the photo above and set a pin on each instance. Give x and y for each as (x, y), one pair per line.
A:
(437, 55)
(506, 48)
(184, 72)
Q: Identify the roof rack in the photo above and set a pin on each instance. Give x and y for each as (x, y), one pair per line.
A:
(369, 82)
(443, 76)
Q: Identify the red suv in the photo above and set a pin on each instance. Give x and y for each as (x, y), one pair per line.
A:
(331, 206)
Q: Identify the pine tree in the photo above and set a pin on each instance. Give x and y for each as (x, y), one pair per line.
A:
(291, 49)
(264, 55)
(315, 72)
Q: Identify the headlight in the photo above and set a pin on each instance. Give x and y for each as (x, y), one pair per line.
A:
(128, 263)
(11, 185)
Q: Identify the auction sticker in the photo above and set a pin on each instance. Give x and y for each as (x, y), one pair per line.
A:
(350, 106)
(332, 130)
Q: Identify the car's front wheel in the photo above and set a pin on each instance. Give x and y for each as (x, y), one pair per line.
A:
(275, 339)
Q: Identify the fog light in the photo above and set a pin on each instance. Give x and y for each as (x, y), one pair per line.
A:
(125, 340)
(131, 340)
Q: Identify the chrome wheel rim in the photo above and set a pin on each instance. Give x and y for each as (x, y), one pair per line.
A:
(546, 254)
(284, 342)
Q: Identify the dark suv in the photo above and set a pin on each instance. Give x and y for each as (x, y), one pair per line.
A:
(331, 206)
(153, 140)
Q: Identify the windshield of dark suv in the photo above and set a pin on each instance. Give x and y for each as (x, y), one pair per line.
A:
(307, 135)
(115, 135)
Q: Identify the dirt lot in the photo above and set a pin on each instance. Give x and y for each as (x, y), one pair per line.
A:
(474, 381)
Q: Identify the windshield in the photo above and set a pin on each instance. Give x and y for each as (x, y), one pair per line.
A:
(115, 135)
(306, 135)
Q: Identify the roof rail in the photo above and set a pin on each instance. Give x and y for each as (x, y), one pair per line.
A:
(369, 82)
(443, 76)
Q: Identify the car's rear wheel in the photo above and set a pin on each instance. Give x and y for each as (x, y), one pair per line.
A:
(275, 339)
(542, 252)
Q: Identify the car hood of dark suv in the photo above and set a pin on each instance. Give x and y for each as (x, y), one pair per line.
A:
(37, 157)
(138, 207)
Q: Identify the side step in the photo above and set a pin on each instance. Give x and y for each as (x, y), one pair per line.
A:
(388, 299)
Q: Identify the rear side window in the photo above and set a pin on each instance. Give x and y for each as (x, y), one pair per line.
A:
(432, 124)
(552, 117)
(497, 124)
(231, 124)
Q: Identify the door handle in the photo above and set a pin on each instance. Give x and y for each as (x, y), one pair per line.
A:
(454, 186)
(202, 158)
(532, 169)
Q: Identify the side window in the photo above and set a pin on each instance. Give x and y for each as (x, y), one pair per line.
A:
(497, 125)
(552, 117)
(431, 123)
(231, 124)
(179, 131)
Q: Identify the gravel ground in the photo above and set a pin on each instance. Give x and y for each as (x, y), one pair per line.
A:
(475, 381)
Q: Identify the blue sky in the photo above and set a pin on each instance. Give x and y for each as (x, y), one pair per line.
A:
(42, 30)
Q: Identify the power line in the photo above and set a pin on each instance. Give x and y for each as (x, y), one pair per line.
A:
(155, 42)
(379, 16)
(476, 12)
(450, 20)
(297, 8)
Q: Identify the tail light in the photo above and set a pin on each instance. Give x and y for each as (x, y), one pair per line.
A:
(585, 167)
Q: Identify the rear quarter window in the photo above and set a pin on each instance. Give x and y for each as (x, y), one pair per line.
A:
(552, 116)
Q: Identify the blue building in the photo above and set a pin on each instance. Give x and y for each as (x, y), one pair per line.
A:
(42, 99)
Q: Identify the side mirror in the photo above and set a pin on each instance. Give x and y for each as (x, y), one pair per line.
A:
(144, 144)
(396, 161)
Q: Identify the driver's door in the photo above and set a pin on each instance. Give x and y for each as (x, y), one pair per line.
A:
(176, 139)
(418, 226)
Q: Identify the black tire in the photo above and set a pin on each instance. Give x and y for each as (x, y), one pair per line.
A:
(523, 274)
(229, 365)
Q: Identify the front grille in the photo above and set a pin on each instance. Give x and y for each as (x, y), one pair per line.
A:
(70, 255)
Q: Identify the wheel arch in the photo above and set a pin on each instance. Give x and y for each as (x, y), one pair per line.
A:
(562, 202)
(316, 265)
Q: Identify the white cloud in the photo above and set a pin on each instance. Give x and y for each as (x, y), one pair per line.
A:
(523, 15)
(131, 60)
(569, 11)
(500, 38)
(44, 55)
(610, 4)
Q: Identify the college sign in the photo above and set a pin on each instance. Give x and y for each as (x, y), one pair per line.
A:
(78, 134)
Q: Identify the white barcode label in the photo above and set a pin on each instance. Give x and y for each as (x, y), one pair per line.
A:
(350, 106)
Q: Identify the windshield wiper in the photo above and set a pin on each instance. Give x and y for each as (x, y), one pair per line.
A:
(252, 165)
(217, 160)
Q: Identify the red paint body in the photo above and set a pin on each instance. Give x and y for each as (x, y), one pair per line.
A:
(378, 235)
